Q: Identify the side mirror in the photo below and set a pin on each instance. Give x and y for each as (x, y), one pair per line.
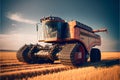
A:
(36, 27)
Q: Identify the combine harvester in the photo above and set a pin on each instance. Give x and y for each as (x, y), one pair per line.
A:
(71, 42)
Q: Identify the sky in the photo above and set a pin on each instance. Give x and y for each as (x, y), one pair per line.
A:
(18, 19)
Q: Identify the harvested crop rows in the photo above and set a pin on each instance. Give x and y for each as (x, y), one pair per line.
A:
(11, 68)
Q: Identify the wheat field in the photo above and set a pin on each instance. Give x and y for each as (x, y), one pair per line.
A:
(87, 73)
(11, 68)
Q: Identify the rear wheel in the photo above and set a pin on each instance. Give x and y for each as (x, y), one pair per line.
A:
(95, 55)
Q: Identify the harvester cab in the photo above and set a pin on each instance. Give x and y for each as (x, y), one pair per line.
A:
(72, 43)
(55, 29)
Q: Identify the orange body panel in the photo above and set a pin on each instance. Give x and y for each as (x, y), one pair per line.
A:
(89, 39)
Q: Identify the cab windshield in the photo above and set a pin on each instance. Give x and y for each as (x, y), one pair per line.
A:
(51, 29)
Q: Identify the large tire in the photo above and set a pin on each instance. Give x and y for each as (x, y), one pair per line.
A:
(95, 55)
(22, 53)
(26, 53)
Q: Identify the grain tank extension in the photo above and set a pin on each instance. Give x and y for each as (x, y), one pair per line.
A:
(70, 42)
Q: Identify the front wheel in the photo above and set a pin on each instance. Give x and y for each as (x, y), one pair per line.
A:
(26, 53)
(95, 55)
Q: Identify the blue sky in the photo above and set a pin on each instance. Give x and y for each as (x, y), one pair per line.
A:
(18, 18)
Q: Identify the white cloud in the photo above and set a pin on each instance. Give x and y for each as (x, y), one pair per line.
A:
(14, 25)
(20, 18)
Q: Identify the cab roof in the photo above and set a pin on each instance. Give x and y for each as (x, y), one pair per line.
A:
(52, 18)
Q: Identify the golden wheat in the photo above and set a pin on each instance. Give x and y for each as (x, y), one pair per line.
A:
(86, 73)
(11, 67)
